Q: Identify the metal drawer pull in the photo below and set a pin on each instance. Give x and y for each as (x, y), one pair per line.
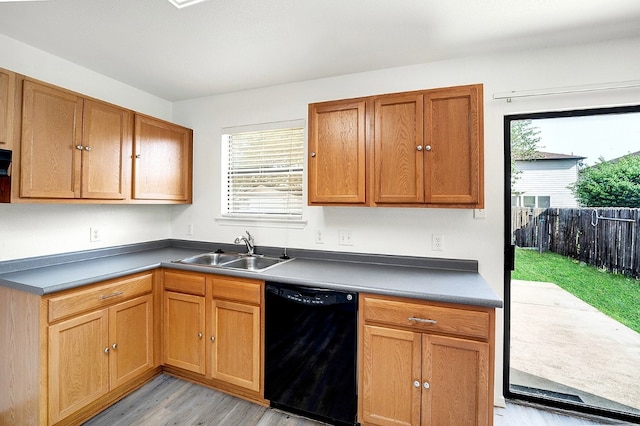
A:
(109, 296)
(416, 384)
(426, 321)
(199, 335)
(426, 385)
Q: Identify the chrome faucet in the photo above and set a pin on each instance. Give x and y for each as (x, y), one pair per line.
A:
(249, 242)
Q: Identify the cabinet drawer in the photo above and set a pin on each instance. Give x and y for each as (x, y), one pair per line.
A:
(99, 296)
(427, 318)
(184, 283)
(237, 289)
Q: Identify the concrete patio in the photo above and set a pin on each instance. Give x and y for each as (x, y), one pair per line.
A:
(571, 350)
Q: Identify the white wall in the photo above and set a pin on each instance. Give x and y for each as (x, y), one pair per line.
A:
(395, 230)
(41, 229)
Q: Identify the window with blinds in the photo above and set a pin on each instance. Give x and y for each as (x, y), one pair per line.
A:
(264, 173)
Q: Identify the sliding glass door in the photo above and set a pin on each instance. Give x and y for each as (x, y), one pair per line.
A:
(572, 335)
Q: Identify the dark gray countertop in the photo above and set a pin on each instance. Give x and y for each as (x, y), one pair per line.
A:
(440, 280)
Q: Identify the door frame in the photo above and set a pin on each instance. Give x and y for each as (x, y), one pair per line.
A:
(509, 265)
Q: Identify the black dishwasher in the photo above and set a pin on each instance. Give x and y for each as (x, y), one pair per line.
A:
(310, 352)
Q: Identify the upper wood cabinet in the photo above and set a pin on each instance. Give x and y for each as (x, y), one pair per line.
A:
(73, 147)
(337, 152)
(453, 146)
(162, 160)
(70, 148)
(425, 148)
(7, 93)
(398, 166)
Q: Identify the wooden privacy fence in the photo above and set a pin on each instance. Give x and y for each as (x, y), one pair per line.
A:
(603, 237)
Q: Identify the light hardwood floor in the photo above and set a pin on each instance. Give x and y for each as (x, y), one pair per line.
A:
(166, 400)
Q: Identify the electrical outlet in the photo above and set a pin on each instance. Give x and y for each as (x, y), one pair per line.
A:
(190, 229)
(345, 238)
(479, 214)
(319, 238)
(95, 234)
(437, 242)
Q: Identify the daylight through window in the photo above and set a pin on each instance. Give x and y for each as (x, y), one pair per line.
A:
(264, 173)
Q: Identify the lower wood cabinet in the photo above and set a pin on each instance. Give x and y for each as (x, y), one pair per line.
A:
(235, 332)
(93, 353)
(425, 364)
(71, 354)
(100, 339)
(184, 320)
(213, 331)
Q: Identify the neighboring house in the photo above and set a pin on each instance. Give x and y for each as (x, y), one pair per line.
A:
(544, 181)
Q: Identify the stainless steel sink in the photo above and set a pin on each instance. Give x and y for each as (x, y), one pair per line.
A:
(242, 261)
(254, 263)
(211, 259)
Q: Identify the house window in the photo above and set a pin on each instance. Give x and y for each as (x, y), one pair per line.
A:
(263, 176)
(544, 202)
(529, 201)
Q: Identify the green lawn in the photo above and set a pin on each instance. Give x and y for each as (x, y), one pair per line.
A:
(615, 295)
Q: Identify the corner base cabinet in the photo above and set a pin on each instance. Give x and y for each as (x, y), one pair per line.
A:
(423, 363)
(73, 353)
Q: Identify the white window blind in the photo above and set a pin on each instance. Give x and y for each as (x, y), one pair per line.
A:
(264, 173)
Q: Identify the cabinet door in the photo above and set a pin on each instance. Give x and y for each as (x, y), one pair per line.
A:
(453, 133)
(184, 321)
(235, 338)
(78, 363)
(457, 371)
(51, 134)
(391, 363)
(7, 92)
(106, 158)
(130, 339)
(398, 155)
(337, 147)
(162, 160)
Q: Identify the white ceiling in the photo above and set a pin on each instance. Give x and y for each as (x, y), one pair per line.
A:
(222, 46)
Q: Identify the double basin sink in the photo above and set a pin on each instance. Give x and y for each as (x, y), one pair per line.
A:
(242, 261)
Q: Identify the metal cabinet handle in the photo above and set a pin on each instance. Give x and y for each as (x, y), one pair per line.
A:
(426, 385)
(419, 147)
(213, 338)
(138, 155)
(427, 148)
(416, 384)
(199, 335)
(106, 350)
(422, 320)
(79, 147)
(87, 148)
(114, 346)
(109, 296)
(313, 154)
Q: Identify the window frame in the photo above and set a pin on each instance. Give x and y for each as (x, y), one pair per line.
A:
(286, 220)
